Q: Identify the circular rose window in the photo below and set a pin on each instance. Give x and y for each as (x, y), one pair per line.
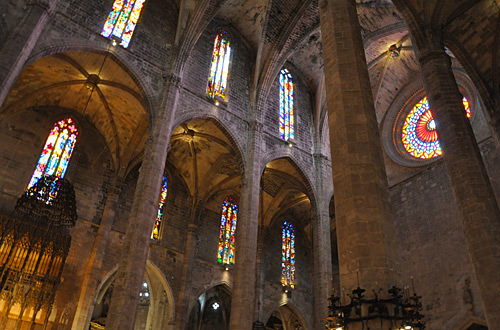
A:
(419, 135)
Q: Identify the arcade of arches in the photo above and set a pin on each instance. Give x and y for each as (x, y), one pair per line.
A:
(235, 162)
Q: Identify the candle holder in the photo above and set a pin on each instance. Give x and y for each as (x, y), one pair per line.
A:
(399, 308)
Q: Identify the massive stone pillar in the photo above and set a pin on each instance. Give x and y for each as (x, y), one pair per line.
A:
(365, 228)
(244, 280)
(132, 266)
(93, 274)
(18, 47)
(322, 254)
(471, 187)
(182, 303)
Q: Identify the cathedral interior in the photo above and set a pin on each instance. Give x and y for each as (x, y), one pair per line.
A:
(232, 164)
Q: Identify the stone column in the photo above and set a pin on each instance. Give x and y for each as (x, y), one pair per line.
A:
(92, 275)
(322, 253)
(19, 45)
(471, 187)
(365, 228)
(132, 266)
(182, 304)
(244, 280)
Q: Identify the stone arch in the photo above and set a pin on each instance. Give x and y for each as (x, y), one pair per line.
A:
(289, 155)
(202, 303)
(472, 323)
(225, 129)
(114, 102)
(102, 47)
(159, 286)
(288, 313)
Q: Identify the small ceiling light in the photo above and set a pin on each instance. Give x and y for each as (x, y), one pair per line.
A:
(394, 51)
(113, 42)
(215, 306)
(227, 268)
(290, 144)
(217, 103)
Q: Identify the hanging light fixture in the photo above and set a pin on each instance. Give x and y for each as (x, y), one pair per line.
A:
(34, 244)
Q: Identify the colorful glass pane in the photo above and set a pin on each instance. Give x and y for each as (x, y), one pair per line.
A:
(228, 222)
(288, 255)
(286, 105)
(419, 135)
(155, 234)
(122, 20)
(57, 151)
(219, 69)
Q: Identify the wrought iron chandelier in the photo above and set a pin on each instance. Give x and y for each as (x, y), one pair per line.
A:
(400, 309)
(34, 244)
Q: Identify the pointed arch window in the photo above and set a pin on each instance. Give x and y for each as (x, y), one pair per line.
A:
(57, 151)
(419, 135)
(219, 68)
(288, 255)
(155, 234)
(286, 105)
(228, 221)
(122, 20)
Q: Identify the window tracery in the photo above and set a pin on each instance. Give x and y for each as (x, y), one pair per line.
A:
(122, 20)
(419, 135)
(219, 68)
(56, 153)
(286, 105)
(155, 234)
(288, 255)
(229, 218)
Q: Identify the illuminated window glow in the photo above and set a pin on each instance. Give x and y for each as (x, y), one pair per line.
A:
(56, 153)
(419, 135)
(122, 20)
(288, 255)
(219, 69)
(161, 204)
(228, 221)
(286, 105)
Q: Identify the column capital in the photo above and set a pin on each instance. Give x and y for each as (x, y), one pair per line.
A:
(428, 55)
(172, 79)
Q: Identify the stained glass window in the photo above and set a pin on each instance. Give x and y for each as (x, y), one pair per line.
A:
(159, 215)
(228, 221)
(286, 105)
(419, 135)
(56, 153)
(288, 255)
(122, 20)
(219, 69)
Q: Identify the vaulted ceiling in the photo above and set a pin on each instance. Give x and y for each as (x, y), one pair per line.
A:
(95, 86)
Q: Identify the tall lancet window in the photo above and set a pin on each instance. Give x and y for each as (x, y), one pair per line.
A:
(286, 105)
(57, 151)
(155, 234)
(219, 69)
(228, 221)
(288, 255)
(122, 20)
